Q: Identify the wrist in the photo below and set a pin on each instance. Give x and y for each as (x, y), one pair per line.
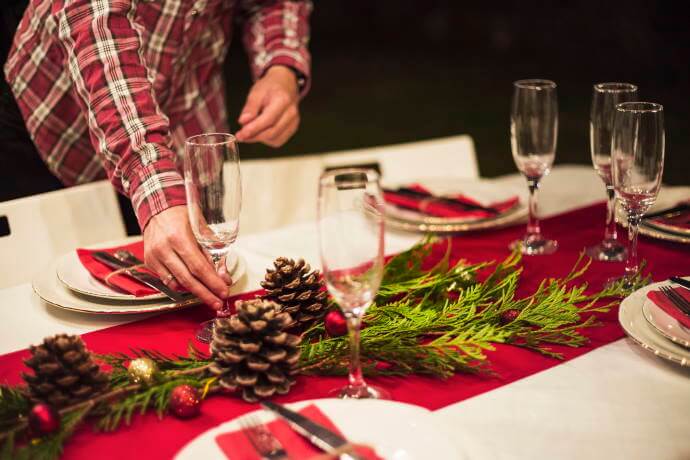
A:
(289, 74)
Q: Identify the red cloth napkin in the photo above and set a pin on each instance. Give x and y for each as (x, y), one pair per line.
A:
(432, 207)
(236, 446)
(662, 302)
(99, 270)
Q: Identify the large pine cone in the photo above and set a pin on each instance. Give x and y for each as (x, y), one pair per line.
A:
(251, 350)
(64, 372)
(296, 288)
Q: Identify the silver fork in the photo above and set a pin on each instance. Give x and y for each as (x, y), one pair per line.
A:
(262, 439)
(676, 299)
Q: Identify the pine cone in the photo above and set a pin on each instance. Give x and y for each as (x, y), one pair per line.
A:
(64, 372)
(297, 289)
(251, 350)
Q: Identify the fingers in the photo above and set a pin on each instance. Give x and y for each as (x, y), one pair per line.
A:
(270, 114)
(179, 270)
(201, 269)
(283, 130)
(222, 271)
(163, 273)
(252, 106)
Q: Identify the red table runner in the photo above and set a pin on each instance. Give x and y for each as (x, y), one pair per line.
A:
(148, 437)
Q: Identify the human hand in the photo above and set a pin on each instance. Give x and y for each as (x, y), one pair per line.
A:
(171, 249)
(271, 113)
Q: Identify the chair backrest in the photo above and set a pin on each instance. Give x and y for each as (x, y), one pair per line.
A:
(42, 227)
(278, 192)
(283, 191)
(436, 158)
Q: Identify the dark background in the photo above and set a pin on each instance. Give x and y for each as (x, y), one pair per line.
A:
(392, 71)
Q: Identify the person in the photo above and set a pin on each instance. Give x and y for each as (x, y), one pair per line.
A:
(113, 88)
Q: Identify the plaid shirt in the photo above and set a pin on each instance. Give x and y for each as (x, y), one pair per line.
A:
(132, 79)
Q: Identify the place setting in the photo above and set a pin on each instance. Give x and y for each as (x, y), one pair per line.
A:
(111, 278)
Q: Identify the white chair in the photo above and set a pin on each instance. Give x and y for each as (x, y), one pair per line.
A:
(283, 191)
(278, 192)
(45, 226)
(399, 163)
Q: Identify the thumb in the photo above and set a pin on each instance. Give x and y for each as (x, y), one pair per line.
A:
(252, 107)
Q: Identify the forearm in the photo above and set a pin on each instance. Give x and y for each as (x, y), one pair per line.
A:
(127, 128)
(277, 33)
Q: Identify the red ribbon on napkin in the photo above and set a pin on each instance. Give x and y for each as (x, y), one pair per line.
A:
(236, 446)
(437, 208)
(665, 304)
(100, 271)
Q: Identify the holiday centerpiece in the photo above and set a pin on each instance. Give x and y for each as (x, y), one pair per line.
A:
(432, 320)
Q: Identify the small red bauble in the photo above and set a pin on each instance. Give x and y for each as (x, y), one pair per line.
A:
(509, 316)
(43, 419)
(184, 401)
(335, 323)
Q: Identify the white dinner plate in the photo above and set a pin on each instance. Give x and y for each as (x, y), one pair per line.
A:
(71, 272)
(666, 324)
(397, 431)
(632, 319)
(52, 291)
(482, 191)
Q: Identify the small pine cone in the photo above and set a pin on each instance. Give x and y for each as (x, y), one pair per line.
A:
(297, 289)
(251, 350)
(64, 372)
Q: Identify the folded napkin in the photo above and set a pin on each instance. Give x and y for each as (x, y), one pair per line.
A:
(662, 302)
(100, 271)
(236, 446)
(437, 208)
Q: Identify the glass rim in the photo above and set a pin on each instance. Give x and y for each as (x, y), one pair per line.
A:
(229, 138)
(639, 107)
(332, 173)
(535, 83)
(615, 87)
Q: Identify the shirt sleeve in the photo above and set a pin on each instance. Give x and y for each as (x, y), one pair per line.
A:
(127, 128)
(277, 33)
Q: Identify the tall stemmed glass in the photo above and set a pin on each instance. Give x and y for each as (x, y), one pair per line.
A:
(604, 100)
(533, 133)
(351, 229)
(637, 154)
(214, 198)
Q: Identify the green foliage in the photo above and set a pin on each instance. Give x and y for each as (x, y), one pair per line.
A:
(13, 403)
(442, 321)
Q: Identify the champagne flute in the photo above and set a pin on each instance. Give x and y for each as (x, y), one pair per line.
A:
(351, 235)
(214, 198)
(533, 133)
(604, 100)
(637, 154)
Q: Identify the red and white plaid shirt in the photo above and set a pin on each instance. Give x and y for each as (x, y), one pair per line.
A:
(114, 87)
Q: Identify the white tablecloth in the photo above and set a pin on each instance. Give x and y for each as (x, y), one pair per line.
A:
(615, 402)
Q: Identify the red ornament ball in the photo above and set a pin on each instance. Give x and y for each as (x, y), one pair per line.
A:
(509, 316)
(43, 419)
(335, 323)
(184, 401)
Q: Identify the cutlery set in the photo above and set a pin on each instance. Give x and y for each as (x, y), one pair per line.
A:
(269, 447)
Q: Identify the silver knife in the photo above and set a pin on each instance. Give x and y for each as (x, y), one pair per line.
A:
(317, 434)
(149, 280)
(680, 281)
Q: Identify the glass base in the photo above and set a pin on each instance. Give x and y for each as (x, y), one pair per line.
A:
(205, 333)
(628, 285)
(535, 246)
(608, 251)
(360, 392)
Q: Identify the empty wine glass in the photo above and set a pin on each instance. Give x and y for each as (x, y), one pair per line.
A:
(214, 198)
(533, 133)
(351, 230)
(604, 100)
(637, 154)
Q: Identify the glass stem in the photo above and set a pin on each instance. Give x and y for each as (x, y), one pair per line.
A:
(631, 265)
(533, 221)
(218, 261)
(354, 324)
(610, 233)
